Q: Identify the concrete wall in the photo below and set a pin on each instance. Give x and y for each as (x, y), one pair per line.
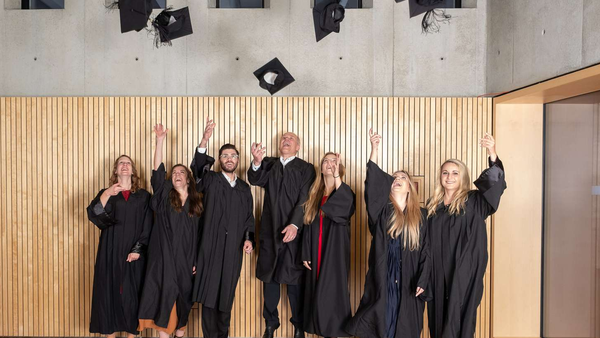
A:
(80, 51)
(530, 41)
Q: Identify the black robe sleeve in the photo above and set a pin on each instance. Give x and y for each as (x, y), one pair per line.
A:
(339, 207)
(305, 254)
(200, 166)
(249, 233)
(160, 185)
(142, 244)
(102, 217)
(378, 185)
(424, 260)
(297, 216)
(260, 177)
(490, 185)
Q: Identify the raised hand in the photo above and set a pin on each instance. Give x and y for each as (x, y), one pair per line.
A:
(336, 166)
(489, 143)
(374, 138)
(208, 130)
(258, 153)
(160, 131)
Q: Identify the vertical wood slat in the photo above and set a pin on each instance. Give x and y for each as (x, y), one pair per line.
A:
(58, 152)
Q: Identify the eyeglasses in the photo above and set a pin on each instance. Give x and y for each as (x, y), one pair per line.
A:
(227, 156)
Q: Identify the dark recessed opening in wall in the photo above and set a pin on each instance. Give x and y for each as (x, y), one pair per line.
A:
(238, 4)
(349, 4)
(35, 4)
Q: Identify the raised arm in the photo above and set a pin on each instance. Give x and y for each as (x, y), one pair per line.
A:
(258, 173)
(201, 162)
(375, 140)
(491, 183)
(161, 132)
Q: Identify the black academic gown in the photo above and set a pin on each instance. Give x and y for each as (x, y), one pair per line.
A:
(125, 228)
(459, 257)
(171, 257)
(286, 189)
(327, 299)
(227, 222)
(370, 318)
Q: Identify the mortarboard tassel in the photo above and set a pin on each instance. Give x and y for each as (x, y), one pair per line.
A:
(432, 19)
(112, 6)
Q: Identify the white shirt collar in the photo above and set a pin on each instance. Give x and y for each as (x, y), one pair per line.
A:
(286, 161)
(233, 182)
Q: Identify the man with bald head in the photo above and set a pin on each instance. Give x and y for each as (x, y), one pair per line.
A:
(287, 180)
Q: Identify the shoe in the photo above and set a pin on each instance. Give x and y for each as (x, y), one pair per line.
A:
(298, 332)
(269, 331)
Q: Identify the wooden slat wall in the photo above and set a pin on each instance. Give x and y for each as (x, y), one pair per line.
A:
(56, 153)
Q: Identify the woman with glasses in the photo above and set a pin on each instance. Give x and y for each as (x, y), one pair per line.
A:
(227, 232)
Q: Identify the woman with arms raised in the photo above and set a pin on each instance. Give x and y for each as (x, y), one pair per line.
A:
(393, 303)
(456, 222)
(167, 297)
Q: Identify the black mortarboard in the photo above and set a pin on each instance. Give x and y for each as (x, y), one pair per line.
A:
(134, 14)
(273, 76)
(327, 15)
(417, 7)
(433, 14)
(172, 24)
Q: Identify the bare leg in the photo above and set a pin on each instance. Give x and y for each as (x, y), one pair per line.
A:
(129, 335)
(163, 334)
(112, 335)
(179, 333)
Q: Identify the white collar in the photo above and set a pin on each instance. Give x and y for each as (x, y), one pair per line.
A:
(286, 161)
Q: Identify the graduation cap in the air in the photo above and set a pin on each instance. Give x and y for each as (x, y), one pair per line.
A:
(273, 76)
(434, 13)
(172, 24)
(327, 15)
(134, 14)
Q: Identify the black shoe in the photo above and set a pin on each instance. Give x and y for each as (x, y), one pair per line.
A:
(298, 332)
(269, 331)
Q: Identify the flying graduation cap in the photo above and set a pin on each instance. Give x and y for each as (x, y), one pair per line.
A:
(134, 14)
(273, 76)
(170, 25)
(327, 15)
(434, 14)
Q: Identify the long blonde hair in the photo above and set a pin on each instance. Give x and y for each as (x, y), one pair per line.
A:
(135, 179)
(408, 222)
(317, 191)
(458, 204)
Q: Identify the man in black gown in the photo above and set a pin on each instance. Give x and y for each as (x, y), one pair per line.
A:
(227, 229)
(286, 180)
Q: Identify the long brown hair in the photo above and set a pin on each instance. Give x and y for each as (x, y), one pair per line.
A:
(193, 196)
(135, 179)
(459, 200)
(408, 222)
(317, 191)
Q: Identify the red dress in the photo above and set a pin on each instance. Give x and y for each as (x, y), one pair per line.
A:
(320, 236)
